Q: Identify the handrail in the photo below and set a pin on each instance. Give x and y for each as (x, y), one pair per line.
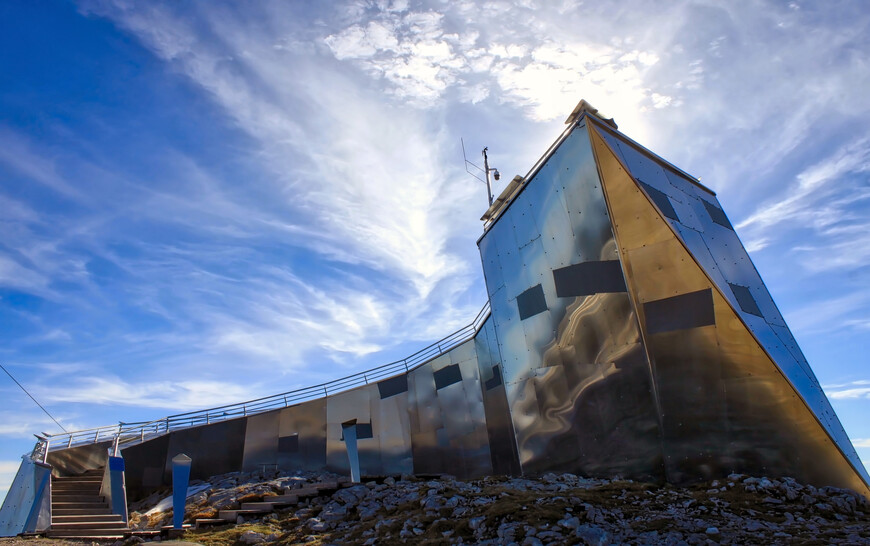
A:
(127, 433)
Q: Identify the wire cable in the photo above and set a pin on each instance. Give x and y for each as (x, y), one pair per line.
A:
(31, 397)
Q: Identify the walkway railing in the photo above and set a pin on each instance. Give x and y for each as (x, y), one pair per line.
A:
(126, 433)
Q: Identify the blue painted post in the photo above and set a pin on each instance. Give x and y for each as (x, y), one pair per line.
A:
(180, 479)
(349, 431)
(119, 489)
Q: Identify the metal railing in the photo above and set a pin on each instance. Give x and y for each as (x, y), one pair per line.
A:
(127, 433)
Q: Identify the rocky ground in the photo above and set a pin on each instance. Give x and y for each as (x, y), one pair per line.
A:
(555, 509)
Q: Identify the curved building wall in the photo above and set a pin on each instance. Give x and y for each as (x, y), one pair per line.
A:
(432, 420)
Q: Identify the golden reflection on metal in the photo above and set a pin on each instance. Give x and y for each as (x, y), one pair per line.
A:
(725, 406)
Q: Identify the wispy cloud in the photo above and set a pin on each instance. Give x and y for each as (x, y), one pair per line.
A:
(177, 395)
(19, 154)
(835, 314)
(855, 389)
(861, 442)
(808, 201)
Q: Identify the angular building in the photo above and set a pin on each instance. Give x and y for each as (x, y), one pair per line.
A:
(627, 333)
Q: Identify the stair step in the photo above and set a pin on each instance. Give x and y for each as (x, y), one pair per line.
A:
(260, 505)
(88, 525)
(90, 491)
(282, 499)
(231, 515)
(209, 522)
(98, 534)
(75, 509)
(303, 493)
(73, 518)
(62, 497)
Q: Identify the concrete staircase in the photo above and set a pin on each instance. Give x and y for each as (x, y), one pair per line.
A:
(79, 511)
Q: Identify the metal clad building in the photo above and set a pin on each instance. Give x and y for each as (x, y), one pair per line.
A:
(629, 334)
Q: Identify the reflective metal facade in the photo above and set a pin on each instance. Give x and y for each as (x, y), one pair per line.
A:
(656, 351)
(629, 335)
(577, 380)
(438, 418)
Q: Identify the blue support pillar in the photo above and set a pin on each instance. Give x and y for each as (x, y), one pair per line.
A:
(349, 432)
(117, 486)
(180, 479)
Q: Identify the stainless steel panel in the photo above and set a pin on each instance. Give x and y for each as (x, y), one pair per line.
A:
(448, 425)
(491, 265)
(425, 418)
(391, 425)
(583, 354)
(523, 220)
(343, 407)
(145, 464)
(308, 422)
(215, 449)
(261, 441)
(725, 405)
(500, 431)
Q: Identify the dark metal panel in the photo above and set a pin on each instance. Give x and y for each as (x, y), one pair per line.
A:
(145, 464)
(447, 376)
(661, 200)
(717, 215)
(691, 310)
(745, 299)
(393, 386)
(495, 380)
(364, 431)
(587, 278)
(531, 302)
(288, 444)
(215, 449)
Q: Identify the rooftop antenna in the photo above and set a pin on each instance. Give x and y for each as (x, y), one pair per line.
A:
(486, 170)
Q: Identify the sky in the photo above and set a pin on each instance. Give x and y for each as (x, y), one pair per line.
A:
(207, 202)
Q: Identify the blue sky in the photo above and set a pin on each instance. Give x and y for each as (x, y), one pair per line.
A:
(206, 202)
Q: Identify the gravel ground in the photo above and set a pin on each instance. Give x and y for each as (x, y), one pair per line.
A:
(552, 509)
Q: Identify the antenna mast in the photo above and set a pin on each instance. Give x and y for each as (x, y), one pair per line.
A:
(486, 170)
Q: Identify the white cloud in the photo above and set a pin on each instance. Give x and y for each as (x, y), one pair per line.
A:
(806, 201)
(171, 395)
(17, 153)
(861, 442)
(855, 389)
(830, 315)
